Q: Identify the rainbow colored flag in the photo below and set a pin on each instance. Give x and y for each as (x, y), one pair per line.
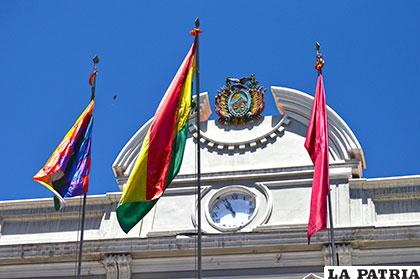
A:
(162, 151)
(66, 172)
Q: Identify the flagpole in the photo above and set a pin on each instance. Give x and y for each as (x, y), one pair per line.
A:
(197, 90)
(319, 64)
(82, 227)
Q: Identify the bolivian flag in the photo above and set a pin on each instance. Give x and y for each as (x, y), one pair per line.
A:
(161, 155)
(66, 172)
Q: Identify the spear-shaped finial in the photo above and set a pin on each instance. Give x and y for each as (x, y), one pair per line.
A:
(197, 29)
(95, 60)
(319, 58)
(92, 77)
(317, 46)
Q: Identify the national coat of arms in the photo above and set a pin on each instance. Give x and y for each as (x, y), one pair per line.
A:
(240, 100)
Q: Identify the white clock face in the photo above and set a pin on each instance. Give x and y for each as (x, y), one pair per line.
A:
(231, 211)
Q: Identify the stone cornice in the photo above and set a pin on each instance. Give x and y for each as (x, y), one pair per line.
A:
(338, 171)
(384, 182)
(296, 175)
(342, 169)
(276, 240)
(70, 203)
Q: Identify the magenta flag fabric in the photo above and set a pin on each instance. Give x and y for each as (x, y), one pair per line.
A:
(317, 145)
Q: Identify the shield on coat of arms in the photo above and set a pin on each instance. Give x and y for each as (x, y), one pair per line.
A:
(239, 103)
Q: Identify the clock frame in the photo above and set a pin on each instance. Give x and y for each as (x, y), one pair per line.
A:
(225, 192)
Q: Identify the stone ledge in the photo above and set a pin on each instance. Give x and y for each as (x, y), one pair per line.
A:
(384, 182)
(341, 169)
(282, 240)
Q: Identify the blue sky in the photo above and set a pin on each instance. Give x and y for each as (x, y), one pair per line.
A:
(371, 74)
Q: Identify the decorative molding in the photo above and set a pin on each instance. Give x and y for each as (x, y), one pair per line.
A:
(204, 191)
(240, 264)
(335, 178)
(280, 238)
(176, 191)
(344, 252)
(384, 182)
(72, 204)
(117, 266)
(241, 146)
(269, 202)
(341, 170)
(407, 196)
(403, 255)
(124, 266)
(50, 268)
(111, 267)
(273, 228)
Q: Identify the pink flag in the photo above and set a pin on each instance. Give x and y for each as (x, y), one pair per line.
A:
(317, 145)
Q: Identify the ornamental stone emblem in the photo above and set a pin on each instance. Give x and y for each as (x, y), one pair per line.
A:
(240, 100)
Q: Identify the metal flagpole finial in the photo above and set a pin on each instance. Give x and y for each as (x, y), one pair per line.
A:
(196, 31)
(319, 58)
(317, 46)
(95, 60)
(92, 77)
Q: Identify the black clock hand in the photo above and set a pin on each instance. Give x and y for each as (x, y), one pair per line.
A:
(229, 207)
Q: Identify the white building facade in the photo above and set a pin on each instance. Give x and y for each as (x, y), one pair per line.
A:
(256, 185)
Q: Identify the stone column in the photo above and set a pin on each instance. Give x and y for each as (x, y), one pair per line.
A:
(117, 266)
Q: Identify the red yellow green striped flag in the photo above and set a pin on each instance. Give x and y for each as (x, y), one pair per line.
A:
(162, 151)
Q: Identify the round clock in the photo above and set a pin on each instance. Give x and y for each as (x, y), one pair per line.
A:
(232, 209)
